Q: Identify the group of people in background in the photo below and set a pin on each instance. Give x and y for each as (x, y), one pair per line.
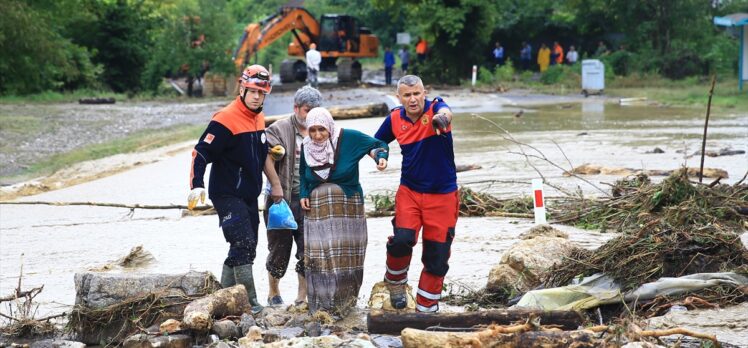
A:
(422, 48)
(313, 164)
(546, 56)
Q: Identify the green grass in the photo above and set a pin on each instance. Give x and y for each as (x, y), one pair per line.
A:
(140, 141)
(20, 124)
(55, 97)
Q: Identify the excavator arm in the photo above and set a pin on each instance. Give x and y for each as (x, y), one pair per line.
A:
(256, 36)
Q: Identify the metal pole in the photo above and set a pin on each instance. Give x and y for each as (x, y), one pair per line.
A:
(706, 124)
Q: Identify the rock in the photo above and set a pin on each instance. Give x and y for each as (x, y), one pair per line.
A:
(301, 342)
(137, 341)
(226, 329)
(641, 345)
(254, 333)
(219, 344)
(246, 322)
(171, 341)
(57, 343)
(270, 336)
(276, 318)
(656, 150)
(298, 320)
(387, 341)
(170, 326)
(523, 264)
(99, 290)
(380, 297)
(543, 230)
(313, 329)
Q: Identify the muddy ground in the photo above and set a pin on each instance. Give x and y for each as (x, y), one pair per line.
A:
(57, 242)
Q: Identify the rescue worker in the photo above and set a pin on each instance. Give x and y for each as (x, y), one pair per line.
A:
(558, 54)
(427, 196)
(234, 142)
(288, 133)
(544, 57)
(313, 59)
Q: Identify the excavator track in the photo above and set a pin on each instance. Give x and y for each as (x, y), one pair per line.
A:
(293, 70)
(349, 70)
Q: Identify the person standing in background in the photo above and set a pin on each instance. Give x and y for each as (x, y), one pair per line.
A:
(572, 56)
(422, 47)
(498, 54)
(544, 57)
(389, 62)
(558, 53)
(313, 59)
(404, 59)
(525, 55)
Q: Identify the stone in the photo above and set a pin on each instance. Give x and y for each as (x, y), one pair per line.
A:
(226, 329)
(171, 341)
(291, 332)
(246, 322)
(254, 333)
(170, 326)
(276, 319)
(524, 263)
(57, 343)
(137, 341)
(387, 341)
(543, 230)
(270, 336)
(99, 290)
(298, 320)
(313, 329)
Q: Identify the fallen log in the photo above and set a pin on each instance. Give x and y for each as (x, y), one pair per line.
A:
(199, 314)
(95, 101)
(492, 337)
(345, 112)
(392, 323)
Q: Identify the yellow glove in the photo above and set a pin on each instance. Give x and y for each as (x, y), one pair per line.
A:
(197, 193)
(277, 152)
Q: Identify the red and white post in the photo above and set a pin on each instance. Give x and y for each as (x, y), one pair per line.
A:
(538, 201)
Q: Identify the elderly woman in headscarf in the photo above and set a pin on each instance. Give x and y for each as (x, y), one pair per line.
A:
(335, 234)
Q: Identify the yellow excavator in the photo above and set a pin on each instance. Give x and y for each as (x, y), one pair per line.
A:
(339, 38)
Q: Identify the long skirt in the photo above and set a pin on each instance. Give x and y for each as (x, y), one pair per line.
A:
(335, 240)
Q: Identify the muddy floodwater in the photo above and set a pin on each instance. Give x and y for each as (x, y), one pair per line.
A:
(53, 243)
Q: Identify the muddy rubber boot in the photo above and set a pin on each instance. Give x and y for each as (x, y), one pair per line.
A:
(398, 297)
(243, 275)
(227, 276)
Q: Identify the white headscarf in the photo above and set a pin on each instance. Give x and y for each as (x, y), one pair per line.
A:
(319, 154)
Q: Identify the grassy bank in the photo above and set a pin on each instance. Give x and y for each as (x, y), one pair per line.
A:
(139, 141)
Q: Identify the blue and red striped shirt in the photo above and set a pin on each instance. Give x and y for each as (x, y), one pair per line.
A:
(428, 159)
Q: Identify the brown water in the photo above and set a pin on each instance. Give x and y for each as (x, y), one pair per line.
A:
(57, 242)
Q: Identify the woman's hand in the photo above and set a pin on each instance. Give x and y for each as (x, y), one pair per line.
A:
(382, 164)
(305, 204)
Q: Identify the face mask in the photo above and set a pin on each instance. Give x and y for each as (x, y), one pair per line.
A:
(301, 122)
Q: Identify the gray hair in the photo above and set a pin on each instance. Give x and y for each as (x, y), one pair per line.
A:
(409, 80)
(307, 96)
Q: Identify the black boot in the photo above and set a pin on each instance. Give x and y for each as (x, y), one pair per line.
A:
(227, 276)
(398, 297)
(243, 275)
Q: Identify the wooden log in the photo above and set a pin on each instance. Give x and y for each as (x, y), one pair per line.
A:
(497, 339)
(97, 101)
(345, 112)
(199, 314)
(391, 323)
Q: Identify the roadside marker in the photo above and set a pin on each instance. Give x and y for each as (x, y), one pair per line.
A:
(475, 73)
(538, 201)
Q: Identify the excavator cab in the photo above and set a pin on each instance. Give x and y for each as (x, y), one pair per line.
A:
(339, 33)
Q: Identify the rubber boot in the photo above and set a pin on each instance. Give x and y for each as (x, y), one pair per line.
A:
(398, 297)
(301, 296)
(243, 275)
(227, 276)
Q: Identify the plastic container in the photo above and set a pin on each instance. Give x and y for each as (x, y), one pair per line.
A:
(593, 77)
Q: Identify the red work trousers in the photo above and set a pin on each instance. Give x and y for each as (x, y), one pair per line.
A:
(437, 214)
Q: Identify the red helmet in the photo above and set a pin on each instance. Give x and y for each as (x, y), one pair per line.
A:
(257, 77)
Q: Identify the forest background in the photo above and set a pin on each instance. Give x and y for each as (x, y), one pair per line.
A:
(128, 46)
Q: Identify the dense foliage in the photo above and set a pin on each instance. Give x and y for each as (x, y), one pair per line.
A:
(129, 45)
